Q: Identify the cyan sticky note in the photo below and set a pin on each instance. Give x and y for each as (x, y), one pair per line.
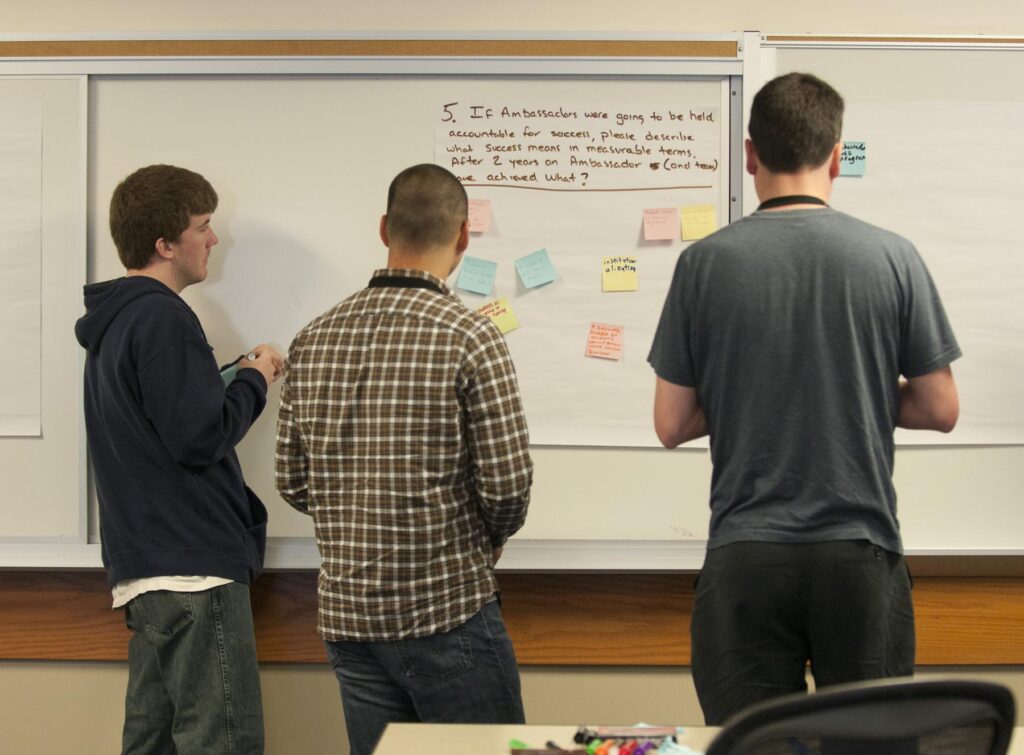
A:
(477, 275)
(854, 159)
(536, 269)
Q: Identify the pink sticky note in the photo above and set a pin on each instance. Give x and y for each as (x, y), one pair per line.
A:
(661, 224)
(605, 341)
(479, 215)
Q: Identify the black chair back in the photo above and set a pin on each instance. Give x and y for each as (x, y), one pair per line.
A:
(886, 717)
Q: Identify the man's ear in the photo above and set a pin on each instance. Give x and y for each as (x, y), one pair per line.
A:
(164, 249)
(462, 243)
(835, 161)
(751, 157)
(384, 230)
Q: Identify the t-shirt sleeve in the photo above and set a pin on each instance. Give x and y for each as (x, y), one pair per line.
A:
(927, 342)
(671, 353)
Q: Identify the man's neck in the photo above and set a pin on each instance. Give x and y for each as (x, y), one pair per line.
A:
(160, 273)
(814, 183)
(436, 262)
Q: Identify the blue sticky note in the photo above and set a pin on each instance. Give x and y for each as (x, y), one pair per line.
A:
(854, 159)
(536, 269)
(477, 275)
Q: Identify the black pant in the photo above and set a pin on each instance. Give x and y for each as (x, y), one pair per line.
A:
(762, 611)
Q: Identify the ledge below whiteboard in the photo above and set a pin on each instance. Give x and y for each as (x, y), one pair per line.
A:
(542, 556)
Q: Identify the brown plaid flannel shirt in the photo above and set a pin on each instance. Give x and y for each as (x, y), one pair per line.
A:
(402, 434)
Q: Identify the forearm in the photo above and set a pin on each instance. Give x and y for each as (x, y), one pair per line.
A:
(929, 402)
(678, 415)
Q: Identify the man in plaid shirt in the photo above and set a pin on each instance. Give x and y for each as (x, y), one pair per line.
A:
(401, 432)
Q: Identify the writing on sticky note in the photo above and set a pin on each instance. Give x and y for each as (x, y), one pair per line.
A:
(501, 314)
(536, 269)
(854, 159)
(477, 275)
(479, 215)
(698, 221)
(661, 224)
(618, 274)
(605, 341)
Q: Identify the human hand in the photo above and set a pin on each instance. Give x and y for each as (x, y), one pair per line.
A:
(266, 359)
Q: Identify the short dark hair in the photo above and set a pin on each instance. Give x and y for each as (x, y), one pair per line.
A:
(796, 120)
(426, 206)
(156, 202)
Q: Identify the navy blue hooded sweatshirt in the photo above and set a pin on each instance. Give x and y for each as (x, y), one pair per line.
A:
(162, 430)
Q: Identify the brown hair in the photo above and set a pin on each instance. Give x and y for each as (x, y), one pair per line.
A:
(155, 202)
(426, 206)
(795, 122)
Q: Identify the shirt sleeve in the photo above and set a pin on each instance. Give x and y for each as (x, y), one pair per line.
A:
(671, 354)
(497, 436)
(291, 463)
(198, 420)
(927, 341)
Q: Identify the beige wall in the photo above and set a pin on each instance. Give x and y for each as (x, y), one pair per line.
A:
(76, 707)
(994, 17)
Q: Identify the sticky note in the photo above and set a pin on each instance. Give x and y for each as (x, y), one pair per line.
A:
(854, 159)
(479, 215)
(698, 221)
(605, 341)
(661, 224)
(477, 275)
(501, 314)
(618, 274)
(536, 269)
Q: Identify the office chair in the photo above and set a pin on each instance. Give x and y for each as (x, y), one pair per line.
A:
(884, 717)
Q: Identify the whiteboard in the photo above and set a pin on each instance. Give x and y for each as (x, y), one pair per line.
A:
(43, 471)
(302, 167)
(943, 170)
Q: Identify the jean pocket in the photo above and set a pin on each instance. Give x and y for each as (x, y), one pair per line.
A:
(440, 656)
(159, 615)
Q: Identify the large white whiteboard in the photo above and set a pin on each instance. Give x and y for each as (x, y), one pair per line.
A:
(302, 167)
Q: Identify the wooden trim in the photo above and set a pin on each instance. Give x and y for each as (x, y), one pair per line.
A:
(554, 619)
(302, 48)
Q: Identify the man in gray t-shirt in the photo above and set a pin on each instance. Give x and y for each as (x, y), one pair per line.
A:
(798, 338)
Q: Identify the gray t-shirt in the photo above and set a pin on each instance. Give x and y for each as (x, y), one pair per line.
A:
(794, 328)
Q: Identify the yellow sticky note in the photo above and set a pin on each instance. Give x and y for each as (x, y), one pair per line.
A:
(618, 273)
(698, 221)
(501, 314)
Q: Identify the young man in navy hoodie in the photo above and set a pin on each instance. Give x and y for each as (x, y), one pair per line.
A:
(182, 535)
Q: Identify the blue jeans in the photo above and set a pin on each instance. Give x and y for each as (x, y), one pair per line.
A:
(193, 678)
(465, 675)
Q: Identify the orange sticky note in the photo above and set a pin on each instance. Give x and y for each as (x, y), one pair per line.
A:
(605, 341)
